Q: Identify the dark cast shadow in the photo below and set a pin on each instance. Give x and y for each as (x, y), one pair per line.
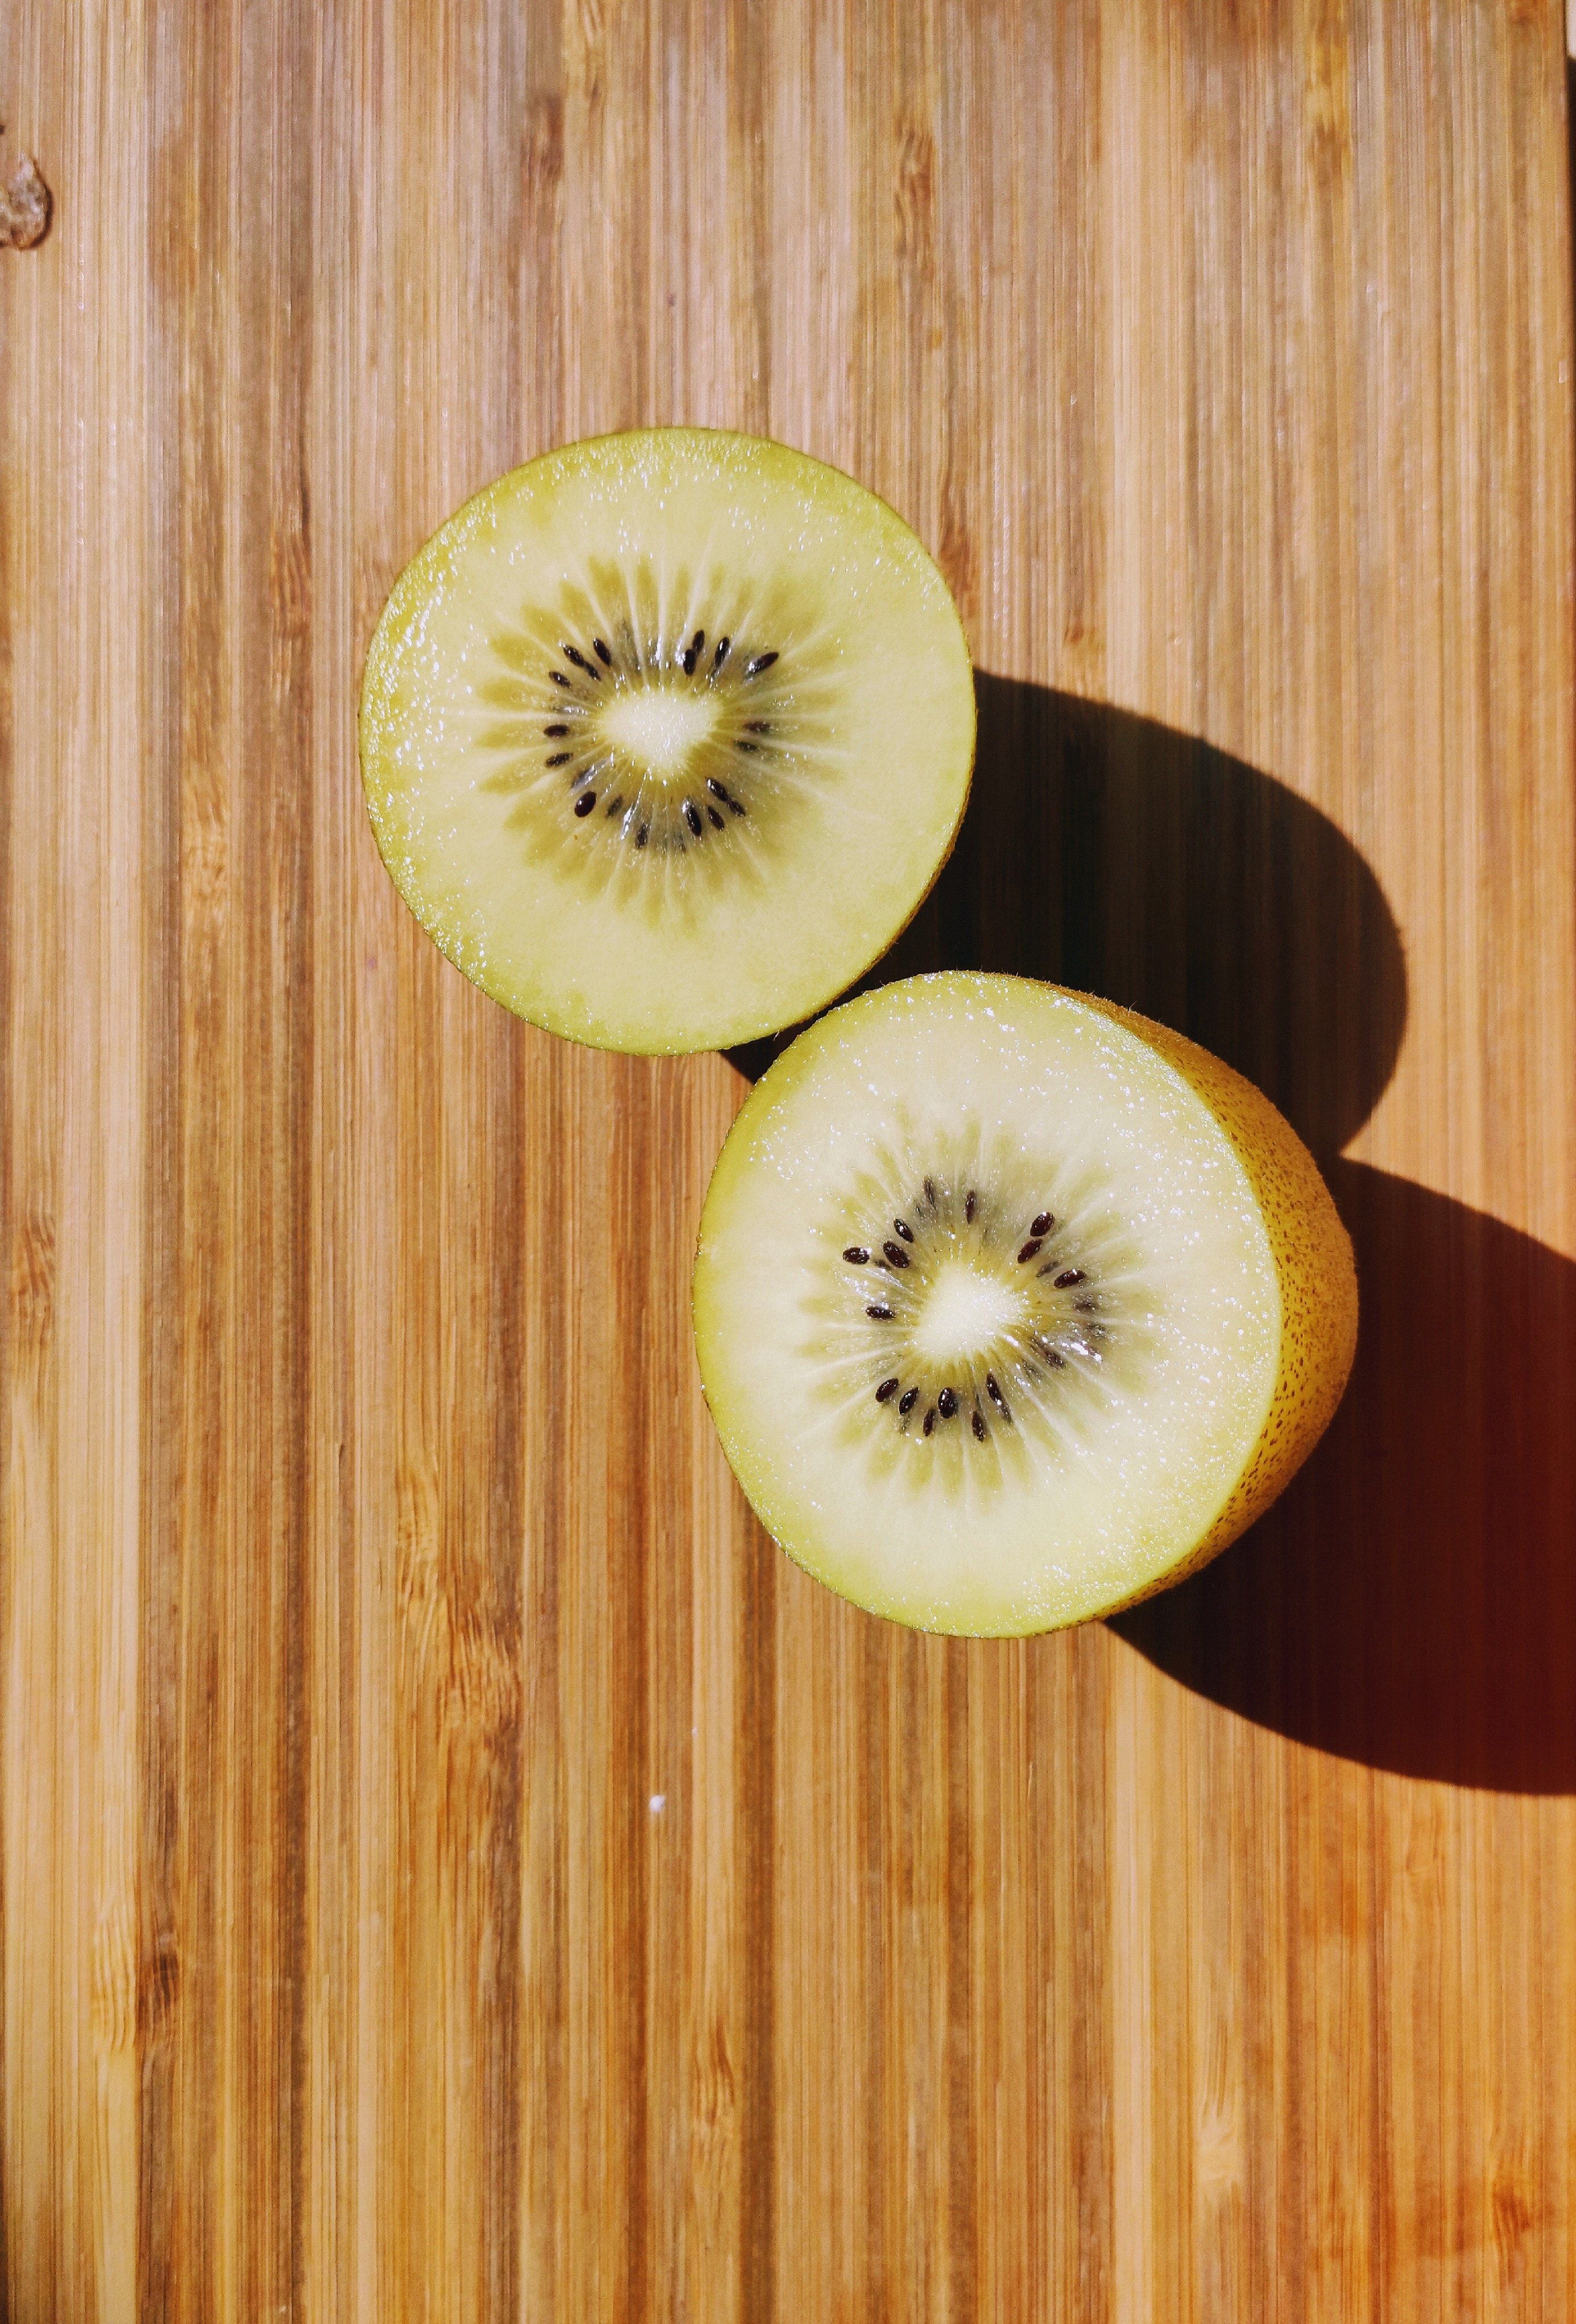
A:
(1410, 1601)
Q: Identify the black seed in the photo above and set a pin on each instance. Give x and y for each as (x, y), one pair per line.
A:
(888, 1387)
(749, 746)
(643, 834)
(715, 818)
(559, 678)
(857, 1255)
(904, 1228)
(757, 726)
(552, 732)
(573, 653)
(991, 1389)
(947, 1403)
(930, 1419)
(1055, 1359)
(1043, 1224)
(894, 1254)
(613, 806)
(561, 758)
(908, 1400)
(1031, 1250)
(1069, 1277)
(585, 803)
(692, 817)
(688, 659)
(968, 1202)
(979, 1423)
(931, 1192)
(727, 797)
(879, 1315)
(697, 644)
(761, 661)
(602, 653)
(721, 654)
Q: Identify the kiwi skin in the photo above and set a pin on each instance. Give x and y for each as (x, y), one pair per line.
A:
(1316, 1275)
(1316, 1269)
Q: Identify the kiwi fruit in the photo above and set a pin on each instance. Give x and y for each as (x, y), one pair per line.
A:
(1012, 1306)
(666, 735)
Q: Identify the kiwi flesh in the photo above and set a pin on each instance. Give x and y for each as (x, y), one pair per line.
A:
(1011, 1306)
(666, 735)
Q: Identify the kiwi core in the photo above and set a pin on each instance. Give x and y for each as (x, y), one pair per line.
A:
(966, 1308)
(660, 728)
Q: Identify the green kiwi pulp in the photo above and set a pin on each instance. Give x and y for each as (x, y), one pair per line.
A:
(666, 735)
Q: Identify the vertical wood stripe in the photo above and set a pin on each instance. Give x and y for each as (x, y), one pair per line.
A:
(450, 1866)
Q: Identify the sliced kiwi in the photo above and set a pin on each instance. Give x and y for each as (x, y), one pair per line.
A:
(1012, 1306)
(666, 735)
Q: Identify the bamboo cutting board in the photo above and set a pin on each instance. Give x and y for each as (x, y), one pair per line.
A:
(453, 1866)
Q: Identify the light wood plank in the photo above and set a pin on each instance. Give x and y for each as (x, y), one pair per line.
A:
(452, 1866)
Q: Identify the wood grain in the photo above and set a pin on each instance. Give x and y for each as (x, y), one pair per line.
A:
(451, 1867)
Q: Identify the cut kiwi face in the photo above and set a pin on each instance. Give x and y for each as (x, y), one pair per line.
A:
(1012, 1306)
(666, 735)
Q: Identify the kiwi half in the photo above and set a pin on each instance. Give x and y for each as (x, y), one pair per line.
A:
(1012, 1306)
(666, 735)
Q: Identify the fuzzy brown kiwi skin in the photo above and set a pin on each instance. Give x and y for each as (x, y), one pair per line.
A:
(1316, 1270)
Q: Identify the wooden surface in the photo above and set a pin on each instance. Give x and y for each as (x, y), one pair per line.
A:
(452, 1867)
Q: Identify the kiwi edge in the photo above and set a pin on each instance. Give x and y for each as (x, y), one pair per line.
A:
(1315, 1267)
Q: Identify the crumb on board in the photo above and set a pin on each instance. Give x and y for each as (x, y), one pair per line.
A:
(26, 204)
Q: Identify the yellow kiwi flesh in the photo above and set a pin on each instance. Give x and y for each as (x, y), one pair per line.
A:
(1012, 1306)
(665, 736)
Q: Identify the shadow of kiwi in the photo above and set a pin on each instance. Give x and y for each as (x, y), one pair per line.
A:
(1411, 1600)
